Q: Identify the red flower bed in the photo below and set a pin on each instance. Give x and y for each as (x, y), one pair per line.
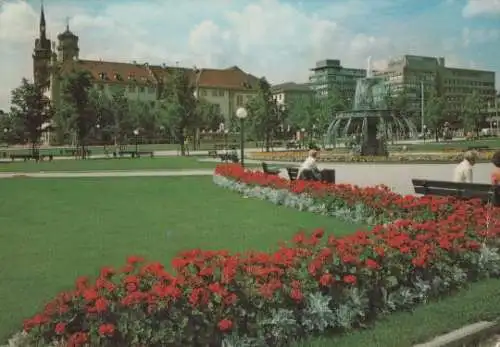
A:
(383, 204)
(310, 285)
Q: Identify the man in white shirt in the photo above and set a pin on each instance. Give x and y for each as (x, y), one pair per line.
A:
(463, 171)
(310, 165)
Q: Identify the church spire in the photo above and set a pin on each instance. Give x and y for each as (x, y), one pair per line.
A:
(43, 33)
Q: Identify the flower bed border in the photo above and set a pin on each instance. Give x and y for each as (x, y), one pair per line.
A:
(426, 249)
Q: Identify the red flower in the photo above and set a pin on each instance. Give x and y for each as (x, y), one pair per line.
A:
(134, 260)
(101, 305)
(372, 264)
(350, 279)
(225, 325)
(326, 279)
(106, 329)
(296, 294)
(78, 339)
(60, 328)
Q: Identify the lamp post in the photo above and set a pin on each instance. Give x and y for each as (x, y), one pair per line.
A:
(242, 113)
(5, 137)
(136, 133)
(424, 130)
(303, 137)
(225, 139)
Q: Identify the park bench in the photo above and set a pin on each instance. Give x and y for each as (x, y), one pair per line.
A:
(487, 193)
(292, 173)
(73, 152)
(134, 154)
(292, 145)
(327, 175)
(214, 152)
(232, 157)
(268, 170)
(27, 157)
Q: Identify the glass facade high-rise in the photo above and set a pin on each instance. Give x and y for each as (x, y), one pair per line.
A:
(409, 73)
(330, 76)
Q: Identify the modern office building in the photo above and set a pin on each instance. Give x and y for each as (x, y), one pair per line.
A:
(330, 75)
(286, 93)
(410, 73)
(227, 88)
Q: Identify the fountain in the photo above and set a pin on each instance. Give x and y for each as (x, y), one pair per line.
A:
(371, 119)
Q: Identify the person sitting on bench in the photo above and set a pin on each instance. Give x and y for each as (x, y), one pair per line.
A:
(463, 171)
(310, 165)
(495, 175)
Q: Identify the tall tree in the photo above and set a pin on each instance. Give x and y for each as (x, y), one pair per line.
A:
(76, 88)
(178, 106)
(265, 114)
(30, 110)
(471, 115)
(434, 113)
(314, 112)
(209, 114)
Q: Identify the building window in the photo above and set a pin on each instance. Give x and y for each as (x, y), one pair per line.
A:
(141, 89)
(239, 100)
(100, 86)
(131, 88)
(217, 108)
(203, 93)
(221, 93)
(214, 93)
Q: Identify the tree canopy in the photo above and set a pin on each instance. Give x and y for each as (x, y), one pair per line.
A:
(29, 112)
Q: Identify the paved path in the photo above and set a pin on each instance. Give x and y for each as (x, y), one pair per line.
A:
(113, 173)
(396, 176)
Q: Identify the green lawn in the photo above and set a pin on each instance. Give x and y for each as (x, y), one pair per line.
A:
(146, 163)
(53, 230)
(404, 329)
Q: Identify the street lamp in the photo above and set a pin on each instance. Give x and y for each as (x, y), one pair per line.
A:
(242, 113)
(5, 131)
(136, 133)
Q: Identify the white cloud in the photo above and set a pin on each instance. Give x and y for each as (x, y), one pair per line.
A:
(475, 8)
(479, 36)
(264, 37)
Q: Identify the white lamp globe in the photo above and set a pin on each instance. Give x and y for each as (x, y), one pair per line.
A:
(241, 113)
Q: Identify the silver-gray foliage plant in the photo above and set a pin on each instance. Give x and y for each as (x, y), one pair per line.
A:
(318, 316)
(281, 325)
(301, 202)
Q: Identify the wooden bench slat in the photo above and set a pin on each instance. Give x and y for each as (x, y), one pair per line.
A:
(487, 193)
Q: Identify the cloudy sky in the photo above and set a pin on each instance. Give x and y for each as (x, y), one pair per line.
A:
(279, 39)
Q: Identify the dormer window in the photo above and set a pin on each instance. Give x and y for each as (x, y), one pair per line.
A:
(118, 77)
(102, 75)
(131, 77)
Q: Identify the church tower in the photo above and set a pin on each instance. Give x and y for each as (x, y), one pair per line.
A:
(42, 55)
(68, 45)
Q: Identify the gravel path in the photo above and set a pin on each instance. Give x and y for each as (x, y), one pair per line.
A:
(397, 177)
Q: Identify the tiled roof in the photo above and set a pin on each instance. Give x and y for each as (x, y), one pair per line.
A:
(291, 86)
(113, 72)
(163, 73)
(230, 78)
